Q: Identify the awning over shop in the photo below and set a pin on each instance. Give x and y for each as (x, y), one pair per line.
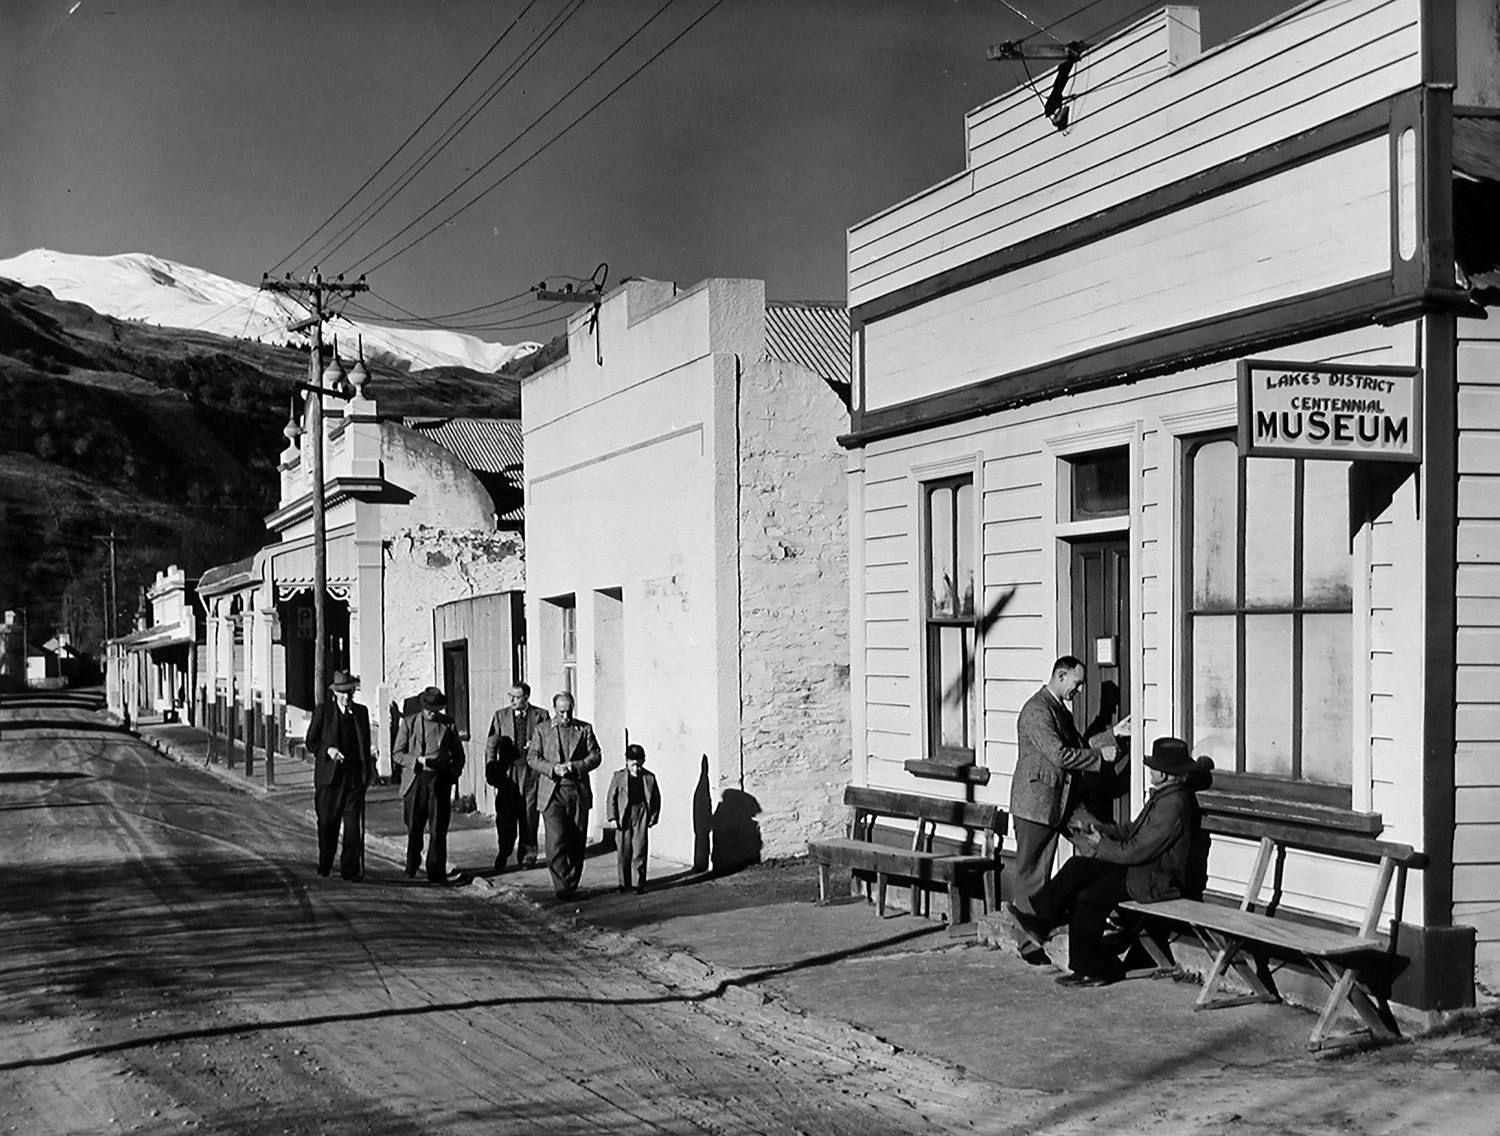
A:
(292, 566)
(153, 638)
(1476, 146)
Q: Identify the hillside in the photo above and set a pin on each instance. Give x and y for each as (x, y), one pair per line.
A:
(169, 437)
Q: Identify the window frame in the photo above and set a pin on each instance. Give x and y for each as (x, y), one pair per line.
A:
(1239, 780)
(567, 617)
(932, 625)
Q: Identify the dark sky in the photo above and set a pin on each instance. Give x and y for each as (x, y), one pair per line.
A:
(220, 133)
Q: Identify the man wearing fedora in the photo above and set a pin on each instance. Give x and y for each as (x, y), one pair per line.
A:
(1150, 858)
(564, 752)
(1050, 754)
(338, 735)
(427, 741)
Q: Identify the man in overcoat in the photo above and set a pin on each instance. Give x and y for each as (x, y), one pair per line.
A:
(1050, 752)
(564, 752)
(338, 736)
(428, 742)
(514, 781)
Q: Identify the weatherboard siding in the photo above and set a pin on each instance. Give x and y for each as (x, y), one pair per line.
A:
(1304, 229)
(1141, 123)
(1476, 842)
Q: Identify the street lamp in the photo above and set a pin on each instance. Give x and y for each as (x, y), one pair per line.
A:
(335, 384)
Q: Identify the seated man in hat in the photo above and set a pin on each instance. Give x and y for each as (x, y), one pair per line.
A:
(428, 742)
(1148, 859)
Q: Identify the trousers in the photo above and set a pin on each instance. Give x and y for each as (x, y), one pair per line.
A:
(567, 821)
(341, 805)
(1036, 846)
(1082, 895)
(516, 820)
(630, 838)
(426, 808)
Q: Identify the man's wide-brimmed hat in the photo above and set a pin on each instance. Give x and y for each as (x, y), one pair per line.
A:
(1171, 755)
(433, 699)
(343, 680)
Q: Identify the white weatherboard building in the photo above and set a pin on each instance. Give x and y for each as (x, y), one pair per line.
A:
(1046, 453)
(687, 555)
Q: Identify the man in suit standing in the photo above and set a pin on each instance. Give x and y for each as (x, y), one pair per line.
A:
(429, 743)
(1050, 753)
(564, 753)
(513, 779)
(343, 766)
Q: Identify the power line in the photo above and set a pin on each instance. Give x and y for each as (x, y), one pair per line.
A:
(1060, 20)
(543, 148)
(429, 155)
(532, 126)
(1039, 29)
(488, 52)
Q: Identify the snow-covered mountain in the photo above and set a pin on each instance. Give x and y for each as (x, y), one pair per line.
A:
(139, 286)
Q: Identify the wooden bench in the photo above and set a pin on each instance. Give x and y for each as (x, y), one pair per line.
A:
(983, 828)
(1334, 952)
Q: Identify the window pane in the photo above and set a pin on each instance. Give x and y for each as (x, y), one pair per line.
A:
(944, 598)
(1268, 694)
(1215, 551)
(964, 520)
(1101, 484)
(1213, 731)
(1327, 698)
(1270, 520)
(1328, 562)
(955, 685)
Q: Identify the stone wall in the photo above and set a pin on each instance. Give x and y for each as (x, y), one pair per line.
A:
(794, 607)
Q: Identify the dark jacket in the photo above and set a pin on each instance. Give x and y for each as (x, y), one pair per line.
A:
(572, 745)
(1157, 846)
(323, 734)
(502, 757)
(617, 800)
(431, 743)
(1049, 751)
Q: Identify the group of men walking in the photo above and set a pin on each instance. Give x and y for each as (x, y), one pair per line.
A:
(538, 765)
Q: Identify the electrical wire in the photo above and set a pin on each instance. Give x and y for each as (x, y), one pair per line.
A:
(543, 148)
(1060, 20)
(442, 103)
(532, 126)
(434, 149)
(1039, 29)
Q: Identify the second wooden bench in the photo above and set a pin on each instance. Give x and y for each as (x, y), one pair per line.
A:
(982, 827)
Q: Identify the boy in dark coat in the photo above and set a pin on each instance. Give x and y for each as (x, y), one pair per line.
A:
(632, 806)
(1148, 859)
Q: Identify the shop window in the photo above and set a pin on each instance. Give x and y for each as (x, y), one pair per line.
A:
(1268, 636)
(456, 683)
(1099, 484)
(948, 541)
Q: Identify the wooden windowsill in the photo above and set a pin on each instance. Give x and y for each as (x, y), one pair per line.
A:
(963, 772)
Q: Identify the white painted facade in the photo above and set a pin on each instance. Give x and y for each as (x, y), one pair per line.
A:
(1081, 291)
(409, 527)
(687, 562)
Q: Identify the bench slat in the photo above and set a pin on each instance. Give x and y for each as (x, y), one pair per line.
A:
(937, 810)
(1320, 941)
(1313, 840)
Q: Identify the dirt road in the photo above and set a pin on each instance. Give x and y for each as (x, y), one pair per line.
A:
(169, 962)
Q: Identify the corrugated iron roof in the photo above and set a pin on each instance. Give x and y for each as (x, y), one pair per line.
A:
(814, 334)
(489, 445)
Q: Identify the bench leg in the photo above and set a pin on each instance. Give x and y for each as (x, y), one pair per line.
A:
(1341, 989)
(955, 903)
(916, 900)
(824, 878)
(1226, 952)
(880, 894)
(991, 898)
(1138, 930)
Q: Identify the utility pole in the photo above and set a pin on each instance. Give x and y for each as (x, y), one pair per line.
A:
(112, 600)
(312, 294)
(592, 293)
